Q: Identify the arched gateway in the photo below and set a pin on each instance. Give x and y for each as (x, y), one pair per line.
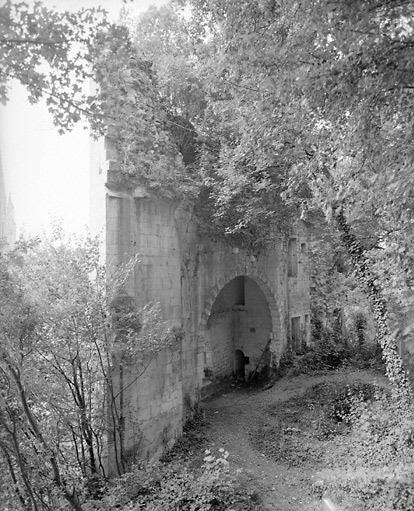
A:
(239, 320)
(223, 303)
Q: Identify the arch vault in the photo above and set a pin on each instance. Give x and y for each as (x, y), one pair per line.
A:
(241, 317)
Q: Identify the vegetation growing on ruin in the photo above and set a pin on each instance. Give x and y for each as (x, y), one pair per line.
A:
(256, 111)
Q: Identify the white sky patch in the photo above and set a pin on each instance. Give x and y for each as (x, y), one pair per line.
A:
(48, 174)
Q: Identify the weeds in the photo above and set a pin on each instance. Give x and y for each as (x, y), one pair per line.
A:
(192, 442)
(189, 477)
(327, 354)
(174, 486)
(376, 469)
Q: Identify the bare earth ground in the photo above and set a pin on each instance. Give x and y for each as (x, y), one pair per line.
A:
(239, 415)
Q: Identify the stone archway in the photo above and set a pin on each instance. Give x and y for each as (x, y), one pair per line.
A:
(261, 280)
(241, 314)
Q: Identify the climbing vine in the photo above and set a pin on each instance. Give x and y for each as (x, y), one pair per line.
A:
(370, 284)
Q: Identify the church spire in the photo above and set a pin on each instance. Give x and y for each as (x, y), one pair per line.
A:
(10, 207)
(2, 187)
(7, 223)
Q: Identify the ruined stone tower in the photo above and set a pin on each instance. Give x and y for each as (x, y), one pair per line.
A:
(233, 308)
(227, 302)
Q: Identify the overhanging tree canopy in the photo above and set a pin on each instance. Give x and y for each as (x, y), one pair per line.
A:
(318, 96)
(48, 53)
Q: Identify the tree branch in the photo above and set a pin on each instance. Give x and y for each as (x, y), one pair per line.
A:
(51, 94)
(40, 42)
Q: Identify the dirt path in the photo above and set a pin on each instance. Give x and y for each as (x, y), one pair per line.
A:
(236, 414)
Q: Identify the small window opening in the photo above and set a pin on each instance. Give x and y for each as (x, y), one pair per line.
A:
(307, 327)
(292, 258)
(295, 334)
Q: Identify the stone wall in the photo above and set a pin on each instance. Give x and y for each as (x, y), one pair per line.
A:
(298, 286)
(220, 298)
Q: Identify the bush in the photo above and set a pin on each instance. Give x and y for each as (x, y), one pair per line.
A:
(368, 356)
(379, 470)
(325, 354)
(173, 486)
(347, 404)
(330, 352)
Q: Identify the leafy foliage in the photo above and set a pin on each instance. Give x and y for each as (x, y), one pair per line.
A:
(298, 107)
(328, 353)
(369, 283)
(378, 469)
(63, 334)
(166, 38)
(144, 153)
(192, 440)
(48, 53)
(53, 54)
(174, 486)
(352, 435)
(297, 431)
(305, 106)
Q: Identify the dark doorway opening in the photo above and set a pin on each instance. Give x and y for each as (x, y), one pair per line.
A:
(240, 321)
(239, 364)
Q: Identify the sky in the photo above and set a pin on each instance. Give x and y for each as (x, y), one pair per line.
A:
(47, 174)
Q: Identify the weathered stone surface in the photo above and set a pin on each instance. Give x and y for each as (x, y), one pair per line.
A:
(221, 298)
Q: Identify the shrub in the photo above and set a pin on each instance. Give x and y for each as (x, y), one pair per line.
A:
(379, 470)
(325, 354)
(347, 404)
(331, 352)
(368, 356)
(173, 486)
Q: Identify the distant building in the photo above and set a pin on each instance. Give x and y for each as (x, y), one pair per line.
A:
(7, 223)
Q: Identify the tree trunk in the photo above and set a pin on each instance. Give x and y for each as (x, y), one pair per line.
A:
(70, 496)
(369, 283)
